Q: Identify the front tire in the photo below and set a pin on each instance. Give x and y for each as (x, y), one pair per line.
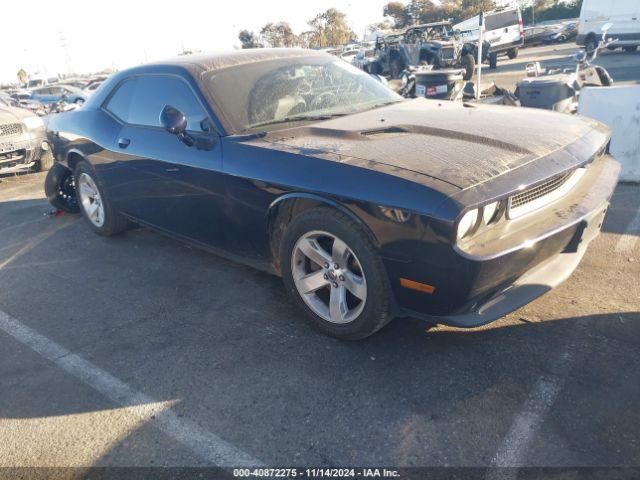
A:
(333, 273)
(94, 203)
(513, 54)
(469, 65)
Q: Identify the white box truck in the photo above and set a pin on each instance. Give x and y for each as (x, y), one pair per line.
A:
(623, 14)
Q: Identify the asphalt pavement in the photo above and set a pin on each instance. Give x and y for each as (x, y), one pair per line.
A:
(138, 350)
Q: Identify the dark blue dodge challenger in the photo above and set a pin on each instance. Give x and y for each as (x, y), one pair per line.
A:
(368, 205)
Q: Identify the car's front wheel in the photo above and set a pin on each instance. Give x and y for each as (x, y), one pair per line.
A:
(94, 203)
(333, 272)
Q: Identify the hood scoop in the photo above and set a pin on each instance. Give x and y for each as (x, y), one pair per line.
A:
(389, 132)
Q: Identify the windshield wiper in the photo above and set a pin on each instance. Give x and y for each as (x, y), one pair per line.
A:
(297, 118)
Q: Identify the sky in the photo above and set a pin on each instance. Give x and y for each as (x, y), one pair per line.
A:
(124, 33)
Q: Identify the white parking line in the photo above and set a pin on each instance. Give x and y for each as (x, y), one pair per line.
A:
(630, 236)
(515, 444)
(206, 445)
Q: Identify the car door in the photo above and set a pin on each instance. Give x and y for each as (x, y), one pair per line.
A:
(43, 95)
(167, 184)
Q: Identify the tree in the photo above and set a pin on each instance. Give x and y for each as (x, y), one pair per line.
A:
(330, 29)
(249, 39)
(398, 12)
(278, 35)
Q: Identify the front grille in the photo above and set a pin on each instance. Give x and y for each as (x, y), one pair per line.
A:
(447, 53)
(539, 191)
(10, 129)
(541, 195)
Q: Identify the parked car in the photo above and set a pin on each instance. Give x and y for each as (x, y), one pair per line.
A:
(57, 93)
(623, 14)
(368, 205)
(503, 30)
(33, 105)
(92, 86)
(432, 44)
(535, 36)
(562, 34)
(23, 140)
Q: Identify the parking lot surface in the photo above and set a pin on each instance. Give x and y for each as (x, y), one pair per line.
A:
(140, 351)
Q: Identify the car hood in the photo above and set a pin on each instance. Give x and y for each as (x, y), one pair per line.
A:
(459, 144)
(13, 114)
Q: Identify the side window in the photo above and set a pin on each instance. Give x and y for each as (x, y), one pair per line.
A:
(140, 100)
(120, 102)
(502, 20)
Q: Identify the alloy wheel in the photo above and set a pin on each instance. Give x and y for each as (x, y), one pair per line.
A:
(91, 200)
(329, 277)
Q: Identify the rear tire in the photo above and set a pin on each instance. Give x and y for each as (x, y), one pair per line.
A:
(322, 228)
(59, 187)
(513, 54)
(94, 203)
(591, 43)
(493, 60)
(469, 64)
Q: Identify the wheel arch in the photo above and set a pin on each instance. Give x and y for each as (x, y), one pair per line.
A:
(288, 206)
(74, 156)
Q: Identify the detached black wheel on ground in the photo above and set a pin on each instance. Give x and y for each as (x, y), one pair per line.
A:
(59, 187)
(334, 274)
(94, 203)
(469, 65)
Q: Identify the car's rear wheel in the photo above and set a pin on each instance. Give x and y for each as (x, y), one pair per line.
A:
(59, 187)
(334, 274)
(94, 203)
(513, 54)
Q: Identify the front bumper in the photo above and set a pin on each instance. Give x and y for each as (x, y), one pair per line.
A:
(20, 155)
(512, 266)
(536, 282)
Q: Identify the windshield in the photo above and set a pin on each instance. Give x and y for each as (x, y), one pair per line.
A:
(280, 91)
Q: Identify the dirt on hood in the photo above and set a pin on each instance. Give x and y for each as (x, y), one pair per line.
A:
(457, 144)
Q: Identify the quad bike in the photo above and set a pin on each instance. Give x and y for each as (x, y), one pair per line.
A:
(558, 89)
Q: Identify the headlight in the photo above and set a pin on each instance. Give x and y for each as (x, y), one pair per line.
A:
(467, 223)
(33, 122)
(489, 212)
(477, 219)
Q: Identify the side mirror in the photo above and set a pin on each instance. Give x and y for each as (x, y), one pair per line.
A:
(173, 120)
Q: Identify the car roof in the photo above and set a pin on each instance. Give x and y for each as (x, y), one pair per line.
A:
(216, 61)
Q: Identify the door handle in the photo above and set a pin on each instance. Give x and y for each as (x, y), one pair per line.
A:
(124, 142)
(171, 170)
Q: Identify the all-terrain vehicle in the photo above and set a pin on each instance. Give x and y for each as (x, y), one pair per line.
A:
(433, 44)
